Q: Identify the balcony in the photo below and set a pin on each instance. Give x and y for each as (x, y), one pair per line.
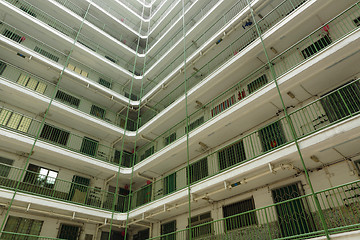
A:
(35, 183)
(298, 217)
(40, 86)
(317, 116)
(30, 127)
(313, 44)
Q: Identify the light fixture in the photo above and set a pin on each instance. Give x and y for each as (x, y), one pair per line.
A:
(290, 94)
(198, 103)
(314, 158)
(274, 50)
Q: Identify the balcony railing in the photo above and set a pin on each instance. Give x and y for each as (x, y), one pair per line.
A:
(309, 46)
(115, 33)
(54, 55)
(44, 87)
(196, 17)
(71, 32)
(49, 187)
(208, 33)
(21, 236)
(295, 218)
(328, 110)
(28, 126)
(228, 53)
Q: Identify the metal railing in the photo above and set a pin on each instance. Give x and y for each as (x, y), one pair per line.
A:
(222, 57)
(315, 42)
(54, 55)
(28, 126)
(71, 32)
(44, 87)
(294, 218)
(22, 236)
(332, 108)
(66, 191)
(208, 33)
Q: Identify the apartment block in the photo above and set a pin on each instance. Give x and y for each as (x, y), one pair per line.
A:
(179, 119)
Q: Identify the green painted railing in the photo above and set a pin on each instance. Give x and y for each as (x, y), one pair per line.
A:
(228, 53)
(29, 126)
(21, 236)
(71, 32)
(44, 87)
(121, 36)
(176, 38)
(332, 108)
(49, 186)
(207, 34)
(318, 40)
(292, 218)
(52, 54)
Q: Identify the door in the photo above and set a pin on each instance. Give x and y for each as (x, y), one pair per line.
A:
(89, 146)
(293, 217)
(79, 189)
(69, 232)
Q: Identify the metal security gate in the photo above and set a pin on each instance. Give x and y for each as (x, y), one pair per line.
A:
(294, 218)
(69, 232)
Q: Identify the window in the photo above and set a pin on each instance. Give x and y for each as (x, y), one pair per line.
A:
(54, 134)
(89, 237)
(257, 83)
(2, 67)
(171, 138)
(40, 176)
(242, 220)
(46, 54)
(168, 228)
(14, 120)
(147, 153)
(26, 81)
(357, 21)
(111, 59)
(142, 235)
(202, 230)
(316, 47)
(13, 36)
(69, 232)
(67, 99)
(5, 166)
(198, 170)
(170, 183)
(21, 225)
(28, 11)
(195, 124)
(272, 136)
(133, 96)
(222, 106)
(126, 158)
(143, 195)
(115, 235)
(341, 103)
(231, 155)
(97, 111)
(89, 146)
(77, 70)
(105, 83)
